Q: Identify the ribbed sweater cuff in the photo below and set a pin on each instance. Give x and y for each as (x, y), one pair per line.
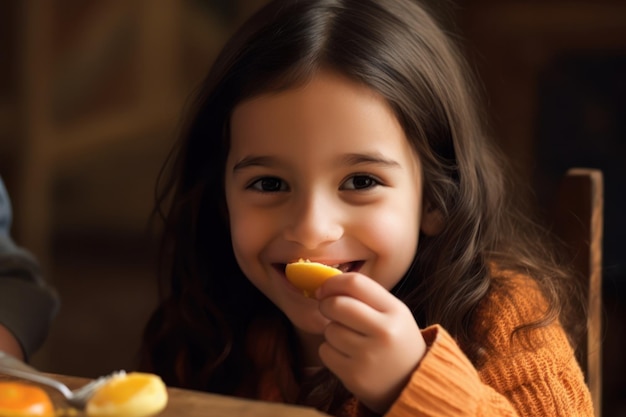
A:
(444, 384)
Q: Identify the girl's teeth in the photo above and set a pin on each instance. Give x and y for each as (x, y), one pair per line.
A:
(344, 267)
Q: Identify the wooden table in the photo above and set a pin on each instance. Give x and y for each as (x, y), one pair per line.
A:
(187, 403)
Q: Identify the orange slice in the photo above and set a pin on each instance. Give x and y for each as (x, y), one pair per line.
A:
(18, 399)
(135, 394)
(307, 276)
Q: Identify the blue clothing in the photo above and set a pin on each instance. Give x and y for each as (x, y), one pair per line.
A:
(27, 304)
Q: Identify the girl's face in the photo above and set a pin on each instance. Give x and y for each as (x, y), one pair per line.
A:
(322, 172)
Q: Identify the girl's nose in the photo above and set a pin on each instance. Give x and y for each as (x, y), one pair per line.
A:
(313, 221)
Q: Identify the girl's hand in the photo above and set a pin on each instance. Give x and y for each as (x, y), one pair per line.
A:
(372, 342)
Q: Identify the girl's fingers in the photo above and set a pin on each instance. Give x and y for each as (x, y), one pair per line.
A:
(333, 359)
(357, 302)
(343, 339)
(357, 286)
(350, 313)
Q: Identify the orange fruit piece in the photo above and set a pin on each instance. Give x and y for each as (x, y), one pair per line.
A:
(307, 276)
(18, 399)
(135, 394)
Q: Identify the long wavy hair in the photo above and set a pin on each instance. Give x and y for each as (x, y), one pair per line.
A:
(213, 330)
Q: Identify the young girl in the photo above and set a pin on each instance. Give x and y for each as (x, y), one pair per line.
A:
(346, 132)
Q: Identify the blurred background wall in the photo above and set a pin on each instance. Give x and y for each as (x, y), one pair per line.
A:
(90, 97)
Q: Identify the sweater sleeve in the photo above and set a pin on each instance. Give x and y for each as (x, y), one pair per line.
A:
(27, 304)
(516, 379)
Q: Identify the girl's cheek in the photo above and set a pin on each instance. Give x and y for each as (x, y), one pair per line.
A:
(393, 239)
(250, 233)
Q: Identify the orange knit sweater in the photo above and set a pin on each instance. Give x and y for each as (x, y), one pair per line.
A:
(544, 381)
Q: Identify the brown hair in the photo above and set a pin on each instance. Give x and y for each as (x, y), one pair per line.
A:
(198, 336)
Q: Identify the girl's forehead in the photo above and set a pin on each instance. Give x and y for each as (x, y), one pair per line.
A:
(330, 120)
(316, 82)
(326, 105)
(325, 94)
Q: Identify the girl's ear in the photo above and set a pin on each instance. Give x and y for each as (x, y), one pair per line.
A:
(432, 220)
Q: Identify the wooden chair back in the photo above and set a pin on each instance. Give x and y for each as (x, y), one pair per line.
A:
(578, 222)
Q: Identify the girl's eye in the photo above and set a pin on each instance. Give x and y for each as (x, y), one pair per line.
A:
(360, 182)
(269, 185)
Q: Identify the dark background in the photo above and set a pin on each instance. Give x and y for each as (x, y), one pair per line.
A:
(90, 97)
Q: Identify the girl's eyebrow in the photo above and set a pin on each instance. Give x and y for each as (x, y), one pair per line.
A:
(369, 158)
(252, 160)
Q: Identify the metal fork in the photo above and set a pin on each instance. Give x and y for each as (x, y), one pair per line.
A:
(77, 398)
